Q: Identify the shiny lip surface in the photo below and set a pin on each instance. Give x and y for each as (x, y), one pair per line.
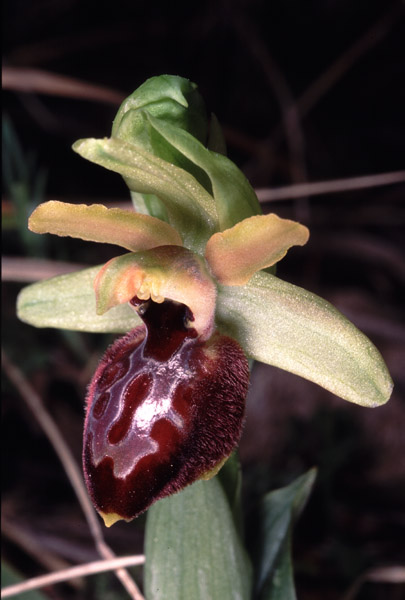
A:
(164, 408)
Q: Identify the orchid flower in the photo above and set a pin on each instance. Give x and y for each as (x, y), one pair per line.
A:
(198, 295)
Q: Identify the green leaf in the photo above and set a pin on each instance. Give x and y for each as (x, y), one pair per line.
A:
(288, 327)
(97, 223)
(192, 548)
(191, 210)
(277, 513)
(280, 586)
(69, 302)
(235, 198)
(230, 477)
(10, 577)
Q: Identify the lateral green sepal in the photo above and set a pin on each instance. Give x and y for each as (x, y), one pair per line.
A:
(286, 326)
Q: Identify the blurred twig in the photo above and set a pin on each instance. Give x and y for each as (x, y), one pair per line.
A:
(278, 83)
(29, 543)
(290, 116)
(98, 566)
(328, 187)
(367, 248)
(51, 430)
(34, 269)
(395, 575)
(19, 79)
(318, 88)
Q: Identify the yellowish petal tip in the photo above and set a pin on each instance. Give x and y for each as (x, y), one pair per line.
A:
(110, 518)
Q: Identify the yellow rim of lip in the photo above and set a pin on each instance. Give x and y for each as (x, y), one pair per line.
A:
(110, 518)
(210, 474)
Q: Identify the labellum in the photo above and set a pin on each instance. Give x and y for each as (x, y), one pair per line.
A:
(165, 408)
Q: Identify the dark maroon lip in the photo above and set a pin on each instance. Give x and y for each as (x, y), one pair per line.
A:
(166, 325)
(163, 409)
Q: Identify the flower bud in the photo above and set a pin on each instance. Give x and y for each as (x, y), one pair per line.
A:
(167, 97)
(164, 409)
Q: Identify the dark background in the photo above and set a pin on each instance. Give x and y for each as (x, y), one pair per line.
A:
(305, 91)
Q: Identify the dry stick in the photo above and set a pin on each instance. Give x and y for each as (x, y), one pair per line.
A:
(318, 88)
(29, 543)
(280, 88)
(345, 61)
(91, 568)
(21, 79)
(34, 269)
(394, 575)
(290, 116)
(61, 448)
(328, 187)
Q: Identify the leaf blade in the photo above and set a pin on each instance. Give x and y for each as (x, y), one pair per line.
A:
(192, 549)
(230, 477)
(278, 512)
(11, 577)
(283, 325)
(280, 586)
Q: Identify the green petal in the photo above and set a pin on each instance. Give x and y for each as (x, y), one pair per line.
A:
(283, 325)
(235, 198)
(166, 272)
(190, 208)
(96, 223)
(69, 302)
(235, 254)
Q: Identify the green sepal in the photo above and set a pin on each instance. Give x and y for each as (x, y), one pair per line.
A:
(171, 98)
(149, 204)
(191, 210)
(286, 326)
(216, 139)
(168, 97)
(69, 302)
(234, 197)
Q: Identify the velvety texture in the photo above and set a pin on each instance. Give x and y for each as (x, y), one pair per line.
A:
(163, 409)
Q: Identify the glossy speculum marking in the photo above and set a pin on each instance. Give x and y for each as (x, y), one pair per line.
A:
(163, 409)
